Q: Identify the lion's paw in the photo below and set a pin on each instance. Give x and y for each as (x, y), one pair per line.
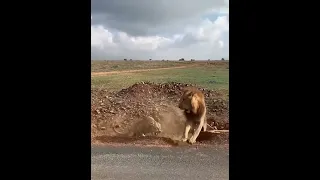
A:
(184, 139)
(192, 140)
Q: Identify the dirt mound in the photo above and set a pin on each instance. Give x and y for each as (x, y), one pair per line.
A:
(117, 113)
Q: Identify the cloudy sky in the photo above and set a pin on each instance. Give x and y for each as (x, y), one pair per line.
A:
(159, 29)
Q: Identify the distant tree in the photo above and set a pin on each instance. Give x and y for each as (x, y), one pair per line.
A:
(182, 59)
(130, 59)
(192, 60)
(125, 59)
(150, 59)
(222, 59)
(208, 59)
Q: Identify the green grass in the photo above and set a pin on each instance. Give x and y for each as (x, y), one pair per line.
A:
(207, 76)
(107, 66)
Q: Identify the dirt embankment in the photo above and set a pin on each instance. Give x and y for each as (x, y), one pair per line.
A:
(124, 116)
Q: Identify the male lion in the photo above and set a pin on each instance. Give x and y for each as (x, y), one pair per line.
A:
(193, 104)
(145, 127)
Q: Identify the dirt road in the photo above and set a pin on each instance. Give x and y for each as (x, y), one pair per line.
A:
(136, 70)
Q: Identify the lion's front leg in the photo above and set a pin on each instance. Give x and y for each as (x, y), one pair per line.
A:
(197, 131)
(186, 131)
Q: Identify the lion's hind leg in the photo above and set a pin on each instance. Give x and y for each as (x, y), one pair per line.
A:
(205, 125)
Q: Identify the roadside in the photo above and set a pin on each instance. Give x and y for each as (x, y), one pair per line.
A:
(115, 116)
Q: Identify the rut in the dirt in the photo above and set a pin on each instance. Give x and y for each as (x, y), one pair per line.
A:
(118, 113)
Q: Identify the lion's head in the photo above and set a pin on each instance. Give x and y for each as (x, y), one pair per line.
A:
(153, 126)
(189, 101)
(156, 126)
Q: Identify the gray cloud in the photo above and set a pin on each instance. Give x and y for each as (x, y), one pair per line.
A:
(146, 17)
(160, 29)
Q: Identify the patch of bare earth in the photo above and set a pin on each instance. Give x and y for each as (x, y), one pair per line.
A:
(129, 116)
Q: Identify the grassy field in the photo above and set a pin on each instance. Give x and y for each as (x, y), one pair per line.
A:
(107, 66)
(212, 75)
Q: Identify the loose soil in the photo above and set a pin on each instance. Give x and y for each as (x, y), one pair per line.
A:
(115, 115)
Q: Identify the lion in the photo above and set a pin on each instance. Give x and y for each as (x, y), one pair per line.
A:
(193, 103)
(146, 127)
